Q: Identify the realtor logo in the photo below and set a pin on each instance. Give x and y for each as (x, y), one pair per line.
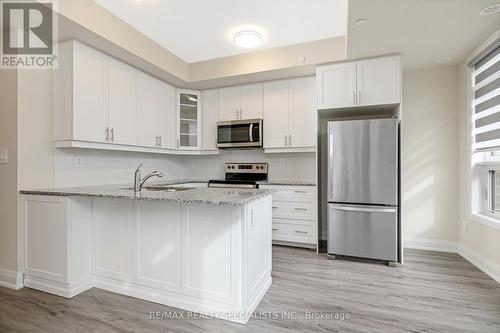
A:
(28, 34)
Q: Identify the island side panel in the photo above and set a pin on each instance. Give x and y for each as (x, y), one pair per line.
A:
(56, 242)
(258, 251)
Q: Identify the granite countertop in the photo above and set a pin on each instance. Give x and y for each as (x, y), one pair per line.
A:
(213, 196)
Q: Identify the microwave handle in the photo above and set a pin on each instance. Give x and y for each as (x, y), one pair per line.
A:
(250, 133)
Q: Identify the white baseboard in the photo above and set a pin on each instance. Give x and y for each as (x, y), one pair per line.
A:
(431, 244)
(11, 279)
(486, 265)
(489, 267)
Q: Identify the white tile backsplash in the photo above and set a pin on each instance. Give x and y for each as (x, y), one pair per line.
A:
(81, 167)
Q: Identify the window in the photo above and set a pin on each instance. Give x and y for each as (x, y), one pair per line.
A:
(494, 191)
(485, 114)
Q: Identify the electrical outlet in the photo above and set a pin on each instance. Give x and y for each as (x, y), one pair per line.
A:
(79, 162)
(282, 163)
(4, 156)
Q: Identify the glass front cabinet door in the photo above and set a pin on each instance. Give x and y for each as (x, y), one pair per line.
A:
(188, 115)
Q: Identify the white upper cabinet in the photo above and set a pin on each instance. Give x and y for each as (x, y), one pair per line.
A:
(336, 85)
(229, 108)
(210, 108)
(241, 102)
(368, 82)
(251, 101)
(189, 119)
(147, 110)
(166, 125)
(121, 102)
(155, 112)
(290, 114)
(90, 114)
(379, 81)
(302, 121)
(276, 114)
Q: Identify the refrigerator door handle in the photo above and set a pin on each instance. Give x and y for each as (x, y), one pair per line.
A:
(371, 209)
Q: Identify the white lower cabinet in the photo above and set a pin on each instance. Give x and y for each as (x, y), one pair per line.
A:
(295, 218)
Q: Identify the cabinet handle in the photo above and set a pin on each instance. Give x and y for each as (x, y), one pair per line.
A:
(301, 232)
(156, 141)
(159, 141)
(274, 207)
(107, 134)
(297, 208)
(354, 97)
(112, 134)
(289, 139)
(286, 140)
(300, 191)
(275, 229)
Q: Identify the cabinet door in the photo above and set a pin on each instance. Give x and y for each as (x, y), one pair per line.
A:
(121, 101)
(250, 101)
(336, 85)
(379, 81)
(112, 237)
(302, 120)
(157, 234)
(90, 117)
(228, 104)
(147, 109)
(275, 114)
(188, 116)
(210, 104)
(166, 127)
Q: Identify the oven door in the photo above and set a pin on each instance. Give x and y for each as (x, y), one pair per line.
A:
(239, 133)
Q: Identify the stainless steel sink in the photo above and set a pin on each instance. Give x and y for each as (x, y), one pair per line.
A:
(162, 188)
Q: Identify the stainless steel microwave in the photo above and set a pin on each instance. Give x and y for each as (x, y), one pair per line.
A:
(239, 133)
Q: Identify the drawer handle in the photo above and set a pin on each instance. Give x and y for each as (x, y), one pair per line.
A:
(275, 229)
(297, 208)
(300, 191)
(274, 207)
(301, 232)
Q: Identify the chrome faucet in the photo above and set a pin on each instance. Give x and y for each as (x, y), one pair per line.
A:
(138, 182)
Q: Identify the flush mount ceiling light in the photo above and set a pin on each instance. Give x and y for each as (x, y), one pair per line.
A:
(443, 60)
(247, 39)
(360, 21)
(490, 10)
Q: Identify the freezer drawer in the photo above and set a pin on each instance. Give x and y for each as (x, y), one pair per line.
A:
(363, 231)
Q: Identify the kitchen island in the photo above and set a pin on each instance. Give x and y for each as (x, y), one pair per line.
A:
(203, 250)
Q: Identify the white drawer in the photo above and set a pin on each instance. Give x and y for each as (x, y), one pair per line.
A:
(293, 193)
(294, 210)
(288, 231)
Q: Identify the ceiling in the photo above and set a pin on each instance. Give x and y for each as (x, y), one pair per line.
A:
(423, 31)
(198, 30)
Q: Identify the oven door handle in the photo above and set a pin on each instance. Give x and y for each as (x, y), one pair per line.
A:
(250, 133)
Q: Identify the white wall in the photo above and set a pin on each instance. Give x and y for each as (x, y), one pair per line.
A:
(110, 167)
(429, 153)
(297, 166)
(8, 172)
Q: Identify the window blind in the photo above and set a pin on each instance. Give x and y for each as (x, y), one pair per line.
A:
(486, 100)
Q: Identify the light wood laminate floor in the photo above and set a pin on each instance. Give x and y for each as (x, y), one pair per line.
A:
(431, 292)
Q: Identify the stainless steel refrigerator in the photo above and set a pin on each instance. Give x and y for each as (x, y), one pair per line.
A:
(363, 188)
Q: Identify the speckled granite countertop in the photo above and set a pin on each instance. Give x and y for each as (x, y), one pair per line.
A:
(212, 196)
